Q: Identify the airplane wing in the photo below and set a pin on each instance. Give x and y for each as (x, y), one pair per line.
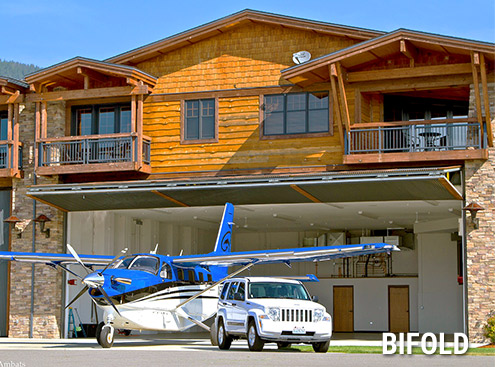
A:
(54, 259)
(283, 256)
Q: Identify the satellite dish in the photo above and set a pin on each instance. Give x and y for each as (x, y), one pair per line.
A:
(301, 56)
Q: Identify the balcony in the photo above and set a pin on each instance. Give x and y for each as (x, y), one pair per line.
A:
(10, 163)
(94, 154)
(409, 141)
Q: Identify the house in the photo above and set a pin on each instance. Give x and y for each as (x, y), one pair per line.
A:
(366, 136)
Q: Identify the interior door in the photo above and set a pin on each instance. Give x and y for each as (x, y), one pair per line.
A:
(343, 308)
(398, 308)
(4, 265)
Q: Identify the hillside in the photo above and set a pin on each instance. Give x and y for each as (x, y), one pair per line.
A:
(15, 69)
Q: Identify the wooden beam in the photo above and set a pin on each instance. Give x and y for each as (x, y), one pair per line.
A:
(305, 193)
(37, 132)
(139, 128)
(86, 82)
(357, 106)
(17, 97)
(180, 203)
(486, 101)
(10, 118)
(8, 90)
(131, 81)
(44, 120)
(133, 113)
(15, 134)
(476, 82)
(409, 84)
(81, 94)
(95, 75)
(408, 50)
(343, 98)
(332, 72)
(400, 73)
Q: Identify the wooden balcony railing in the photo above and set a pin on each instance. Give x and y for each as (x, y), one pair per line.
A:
(9, 168)
(78, 154)
(425, 136)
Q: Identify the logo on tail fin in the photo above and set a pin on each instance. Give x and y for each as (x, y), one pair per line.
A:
(223, 242)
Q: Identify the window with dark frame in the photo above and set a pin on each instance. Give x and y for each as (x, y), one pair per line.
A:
(296, 113)
(199, 119)
(101, 119)
(4, 124)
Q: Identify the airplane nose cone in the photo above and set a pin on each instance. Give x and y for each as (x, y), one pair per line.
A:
(94, 280)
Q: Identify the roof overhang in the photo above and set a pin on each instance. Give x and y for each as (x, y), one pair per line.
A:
(383, 47)
(354, 186)
(11, 89)
(71, 74)
(225, 24)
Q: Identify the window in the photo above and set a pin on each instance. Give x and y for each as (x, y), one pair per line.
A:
(232, 290)
(199, 120)
(4, 123)
(145, 263)
(166, 272)
(224, 290)
(296, 113)
(101, 119)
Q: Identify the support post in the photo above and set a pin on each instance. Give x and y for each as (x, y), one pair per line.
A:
(475, 61)
(140, 131)
(15, 134)
(332, 75)
(486, 101)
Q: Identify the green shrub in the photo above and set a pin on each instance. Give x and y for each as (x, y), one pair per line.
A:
(489, 328)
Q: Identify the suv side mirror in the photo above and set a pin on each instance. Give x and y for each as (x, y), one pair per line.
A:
(239, 296)
(314, 298)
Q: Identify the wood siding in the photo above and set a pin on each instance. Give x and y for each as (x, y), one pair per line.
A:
(247, 57)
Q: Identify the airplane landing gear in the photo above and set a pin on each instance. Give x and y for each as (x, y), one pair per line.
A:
(105, 334)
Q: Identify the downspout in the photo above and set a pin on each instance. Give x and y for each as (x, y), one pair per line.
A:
(33, 245)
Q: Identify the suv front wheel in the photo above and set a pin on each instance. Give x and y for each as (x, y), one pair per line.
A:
(224, 341)
(254, 342)
(321, 347)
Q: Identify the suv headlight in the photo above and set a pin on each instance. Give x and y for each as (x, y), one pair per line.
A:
(274, 313)
(318, 314)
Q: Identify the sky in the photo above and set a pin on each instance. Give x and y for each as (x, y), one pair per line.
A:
(45, 32)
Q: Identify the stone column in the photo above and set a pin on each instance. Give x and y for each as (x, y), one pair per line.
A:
(480, 243)
(47, 281)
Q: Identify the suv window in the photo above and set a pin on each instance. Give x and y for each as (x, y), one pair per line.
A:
(278, 290)
(224, 290)
(232, 290)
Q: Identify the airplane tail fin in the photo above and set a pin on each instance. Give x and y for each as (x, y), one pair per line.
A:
(224, 237)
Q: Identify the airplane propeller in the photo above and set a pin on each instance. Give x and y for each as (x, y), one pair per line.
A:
(93, 280)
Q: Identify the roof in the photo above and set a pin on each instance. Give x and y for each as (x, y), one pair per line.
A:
(96, 65)
(5, 81)
(360, 53)
(223, 24)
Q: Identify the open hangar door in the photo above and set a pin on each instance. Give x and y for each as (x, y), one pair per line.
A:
(423, 230)
(419, 208)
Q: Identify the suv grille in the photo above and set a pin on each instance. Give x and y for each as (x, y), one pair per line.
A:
(288, 314)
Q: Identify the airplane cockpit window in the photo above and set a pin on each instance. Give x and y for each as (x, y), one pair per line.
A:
(145, 263)
(123, 263)
(166, 272)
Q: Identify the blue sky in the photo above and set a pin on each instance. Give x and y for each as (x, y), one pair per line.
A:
(44, 32)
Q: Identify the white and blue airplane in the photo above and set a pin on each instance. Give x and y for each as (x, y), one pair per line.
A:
(148, 291)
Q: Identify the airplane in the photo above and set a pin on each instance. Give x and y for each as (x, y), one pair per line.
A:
(149, 291)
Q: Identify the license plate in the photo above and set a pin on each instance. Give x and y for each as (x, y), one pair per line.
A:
(299, 330)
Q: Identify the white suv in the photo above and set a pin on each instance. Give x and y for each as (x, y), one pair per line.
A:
(267, 310)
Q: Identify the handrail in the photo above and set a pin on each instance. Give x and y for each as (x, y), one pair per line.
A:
(91, 137)
(406, 123)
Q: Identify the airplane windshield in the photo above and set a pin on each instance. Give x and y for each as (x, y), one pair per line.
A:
(145, 263)
(123, 263)
(277, 290)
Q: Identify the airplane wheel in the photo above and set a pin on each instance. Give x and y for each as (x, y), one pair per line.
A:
(224, 341)
(255, 344)
(321, 347)
(98, 331)
(106, 336)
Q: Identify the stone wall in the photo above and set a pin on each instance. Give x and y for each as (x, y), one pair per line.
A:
(47, 281)
(480, 243)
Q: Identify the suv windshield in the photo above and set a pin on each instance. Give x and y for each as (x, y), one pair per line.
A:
(278, 290)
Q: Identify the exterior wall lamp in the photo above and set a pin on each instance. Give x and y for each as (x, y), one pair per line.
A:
(473, 209)
(42, 219)
(14, 220)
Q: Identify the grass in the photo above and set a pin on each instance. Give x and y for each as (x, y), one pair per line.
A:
(379, 350)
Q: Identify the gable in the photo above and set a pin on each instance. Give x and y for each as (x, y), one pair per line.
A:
(251, 55)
